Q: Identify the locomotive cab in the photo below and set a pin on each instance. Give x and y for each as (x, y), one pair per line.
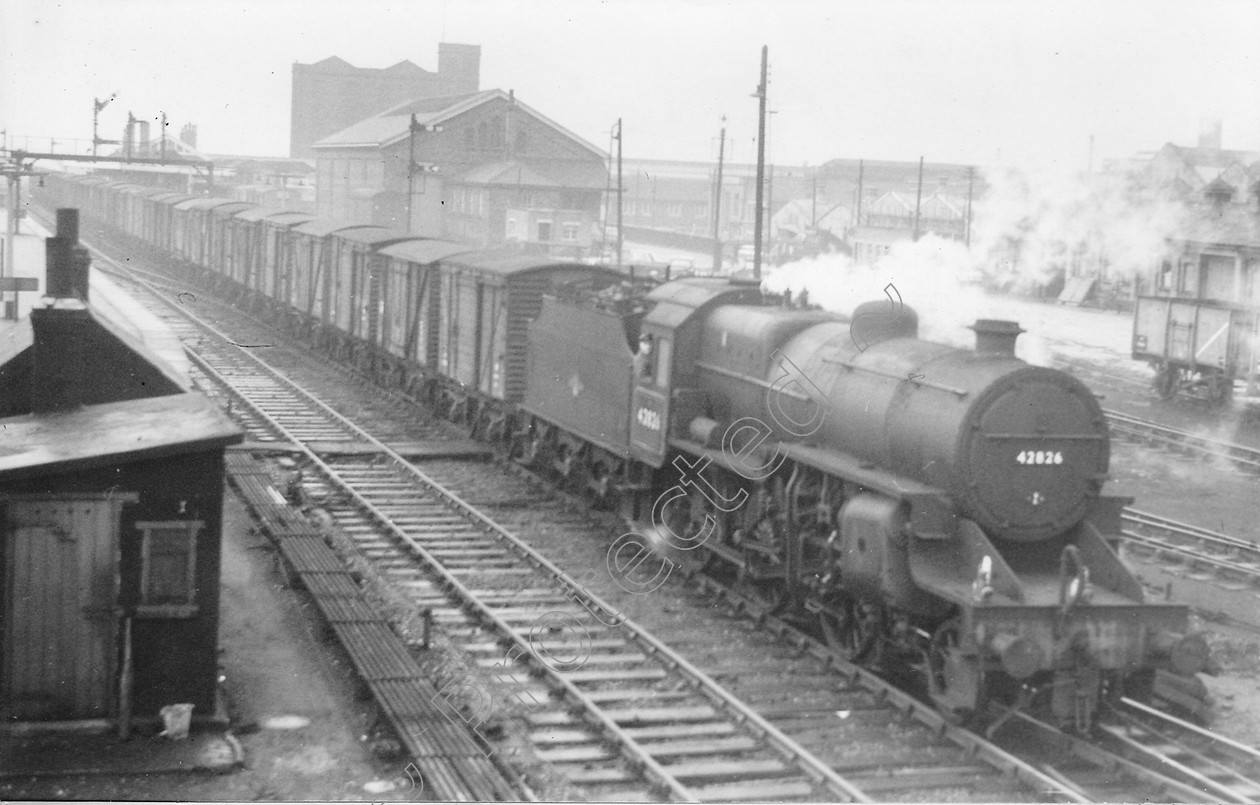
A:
(667, 375)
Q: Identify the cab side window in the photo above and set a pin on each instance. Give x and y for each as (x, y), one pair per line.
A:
(664, 355)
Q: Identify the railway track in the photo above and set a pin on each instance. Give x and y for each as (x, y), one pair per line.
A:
(643, 721)
(1206, 553)
(1128, 762)
(633, 718)
(498, 599)
(1145, 431)
(1223, 770)
(1154, 434)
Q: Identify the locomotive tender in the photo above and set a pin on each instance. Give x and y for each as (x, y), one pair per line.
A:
(930, 507)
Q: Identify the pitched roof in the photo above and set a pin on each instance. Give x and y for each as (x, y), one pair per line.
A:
(102, 435)
(797, 214)
(392, 125)
(335, 61)
(405, 66)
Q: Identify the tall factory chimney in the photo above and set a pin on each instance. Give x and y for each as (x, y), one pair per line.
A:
(459, 67)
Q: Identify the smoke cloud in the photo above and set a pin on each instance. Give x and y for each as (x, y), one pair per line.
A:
(1032, 226)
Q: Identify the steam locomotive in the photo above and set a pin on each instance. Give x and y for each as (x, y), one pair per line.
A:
(931, 507)
(927, 507)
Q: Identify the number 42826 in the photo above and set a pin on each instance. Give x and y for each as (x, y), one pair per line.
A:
(1039, 457)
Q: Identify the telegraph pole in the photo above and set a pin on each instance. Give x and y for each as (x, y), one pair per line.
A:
(620, 233)
(761, 163)
(769, 236)
(918, 200)
(717, 203)
(857, 207)
(971, 182)
(411, 166)
(813, 206)
(603, 236)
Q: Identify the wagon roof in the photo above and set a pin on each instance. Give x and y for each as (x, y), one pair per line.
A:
(374, 235)
(152, 191)
(233, 207)
(103, 435)
(168, 196)
(203, 203)
(506, 265)
(322, 226)
(259, 213)
(424, 251)
(289, 218)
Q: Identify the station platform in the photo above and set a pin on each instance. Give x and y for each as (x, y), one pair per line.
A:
(110, 302)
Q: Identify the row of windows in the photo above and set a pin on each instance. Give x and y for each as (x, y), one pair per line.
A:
(672, 209)
(869, 252)
(471, 200)
(351, 171)
(1212, 277)
(491, 135)
(677, 209)
(568, 230)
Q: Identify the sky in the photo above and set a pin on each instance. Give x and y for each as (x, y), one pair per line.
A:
(963, 81)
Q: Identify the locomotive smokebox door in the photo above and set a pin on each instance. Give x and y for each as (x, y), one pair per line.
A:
(1037, 452)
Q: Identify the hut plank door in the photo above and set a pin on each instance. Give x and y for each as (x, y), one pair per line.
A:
(60, 633)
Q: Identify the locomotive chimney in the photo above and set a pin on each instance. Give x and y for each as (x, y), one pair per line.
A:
(996, 336)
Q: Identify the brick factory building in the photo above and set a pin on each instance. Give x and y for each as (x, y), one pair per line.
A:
(494, 170)
(332, 94)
